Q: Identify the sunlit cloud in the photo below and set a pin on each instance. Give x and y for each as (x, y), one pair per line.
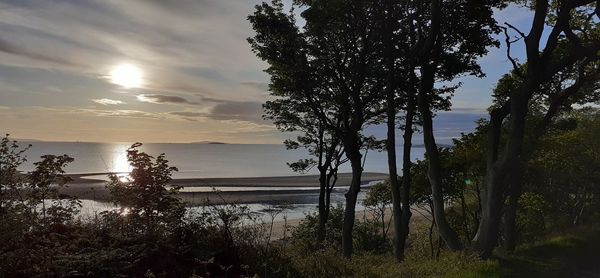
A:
(188, 114)
(260, 86)
(107, 101)
(122, 113)
(162, 99)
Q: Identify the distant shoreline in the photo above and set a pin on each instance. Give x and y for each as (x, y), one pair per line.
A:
(184, 143)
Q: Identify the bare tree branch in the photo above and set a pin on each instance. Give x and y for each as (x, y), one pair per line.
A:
(516, 29)
(514, 62)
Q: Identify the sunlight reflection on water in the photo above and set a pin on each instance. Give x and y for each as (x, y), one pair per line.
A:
(119, 161)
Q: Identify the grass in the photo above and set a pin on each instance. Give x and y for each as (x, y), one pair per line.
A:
(575, 254)
(572, 254)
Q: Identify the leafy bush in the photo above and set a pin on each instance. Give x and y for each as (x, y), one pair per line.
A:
(531, 216)
(366, 234)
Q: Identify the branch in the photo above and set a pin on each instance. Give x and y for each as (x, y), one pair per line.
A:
(430, 41)
(532, 41)
(514, 63)
(574, 55)
(515, 28)
(563, 96)
(497, 116)
(572, 37)
(561, 23)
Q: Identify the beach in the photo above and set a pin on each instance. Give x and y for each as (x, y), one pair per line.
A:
(242, 190)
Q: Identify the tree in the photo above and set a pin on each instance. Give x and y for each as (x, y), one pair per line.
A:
(398, 43)
(143, 197)
(11, 180)
(34, 196)
(452, 35)
(379, 198)
(322, 144)
(562, 171)
(572, 41)
(33, 212)
(575, 84)
(330, 69)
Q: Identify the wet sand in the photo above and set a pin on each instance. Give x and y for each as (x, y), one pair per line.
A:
(95, 189)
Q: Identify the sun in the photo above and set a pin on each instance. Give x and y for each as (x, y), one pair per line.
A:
(127, 76)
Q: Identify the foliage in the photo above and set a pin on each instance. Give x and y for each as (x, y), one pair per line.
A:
(531, 219)
(377, 202)
(36, 218)
(563, 169)
(149, 235)
(366, 237)
(146, 205)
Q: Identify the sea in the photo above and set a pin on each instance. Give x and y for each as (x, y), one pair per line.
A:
(196, 160)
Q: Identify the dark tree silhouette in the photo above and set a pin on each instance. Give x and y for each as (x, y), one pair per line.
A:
(572, 41)
(330, 68)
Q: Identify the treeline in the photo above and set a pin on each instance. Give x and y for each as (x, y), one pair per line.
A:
(339, 66)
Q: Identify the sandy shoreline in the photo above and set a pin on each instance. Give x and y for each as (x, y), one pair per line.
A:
(302, 189)
(288, 189)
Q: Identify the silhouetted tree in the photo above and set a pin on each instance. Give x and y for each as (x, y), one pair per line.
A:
(146, 203)
(451, 36)
(329, 67)
(572, 41)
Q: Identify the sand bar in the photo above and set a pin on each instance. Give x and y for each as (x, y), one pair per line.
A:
(289, 189)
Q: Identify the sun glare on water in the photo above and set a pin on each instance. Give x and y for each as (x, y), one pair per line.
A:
(127, 76)
(119, 165)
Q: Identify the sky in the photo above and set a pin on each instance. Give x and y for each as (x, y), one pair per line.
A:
(159, 71)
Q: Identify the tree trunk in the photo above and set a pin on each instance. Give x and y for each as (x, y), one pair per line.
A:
(331, 180)
(398, 241)
(403, 229)
(498, 175)
(510, 215)
(322, 204)
(434, 172)
(393, 176)
(465, 216)
(353, 154)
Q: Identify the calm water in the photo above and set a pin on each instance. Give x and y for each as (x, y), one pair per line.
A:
(231, 160)
(193, 160)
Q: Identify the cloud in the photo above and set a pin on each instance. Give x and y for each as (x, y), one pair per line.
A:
(164, 99)
(238, 111)
(188, 114)
(107, 101)
(121, 113)
(259, 86)
(223, 106)
(10, 48)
